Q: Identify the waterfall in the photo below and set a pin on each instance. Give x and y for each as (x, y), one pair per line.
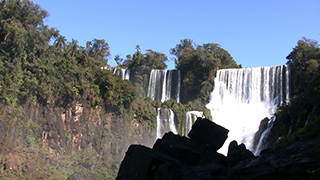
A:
(123, 73)
(191, 117)
(164, 85)
(168, 87)
(264, 137)
(287, 84)
(158, 123)
(178, 88)
(165, 122)
(172, 126)
(242, 97)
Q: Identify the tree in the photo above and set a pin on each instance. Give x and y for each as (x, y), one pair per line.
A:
(99, 50)
(198, 65)
(180, 48)
(305, 50)
(213, 52)
(304, 63)
(23, 40)
(118, 60)
(73, 47)
(141, 62)
(155, 60)
(60, 42)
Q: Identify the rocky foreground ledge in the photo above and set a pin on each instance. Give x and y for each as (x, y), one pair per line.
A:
(176, 157)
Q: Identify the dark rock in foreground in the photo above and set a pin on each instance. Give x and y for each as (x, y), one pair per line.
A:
(237, 153)
(176, 157)
(207, 132)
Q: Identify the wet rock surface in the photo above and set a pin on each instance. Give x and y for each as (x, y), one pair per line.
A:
(177, 157)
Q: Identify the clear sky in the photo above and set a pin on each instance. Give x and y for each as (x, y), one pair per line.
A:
(255, 32)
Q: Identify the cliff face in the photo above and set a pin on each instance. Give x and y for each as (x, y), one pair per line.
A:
(79, 137)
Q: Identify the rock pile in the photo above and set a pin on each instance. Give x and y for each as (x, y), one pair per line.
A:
(176, 157)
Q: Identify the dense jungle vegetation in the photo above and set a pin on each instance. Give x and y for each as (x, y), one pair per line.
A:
(34, 70)
(300, 119)
(39, 66)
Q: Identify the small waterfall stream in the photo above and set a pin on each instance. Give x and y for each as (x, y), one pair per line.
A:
(165, 122)
(123, 73)
(264, 137)
(164, 85)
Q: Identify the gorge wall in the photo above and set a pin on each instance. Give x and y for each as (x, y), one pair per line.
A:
(92, 140)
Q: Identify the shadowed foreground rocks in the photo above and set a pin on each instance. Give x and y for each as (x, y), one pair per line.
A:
(177, 157)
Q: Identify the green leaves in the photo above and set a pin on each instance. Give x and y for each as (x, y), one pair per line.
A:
(305, 50)
(198, 65)
(99, 50)
(55, 74)
(304, 61)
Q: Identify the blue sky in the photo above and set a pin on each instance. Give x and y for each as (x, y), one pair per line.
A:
(255, 32)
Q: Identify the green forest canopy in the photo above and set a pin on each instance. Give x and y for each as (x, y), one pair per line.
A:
(33, 69)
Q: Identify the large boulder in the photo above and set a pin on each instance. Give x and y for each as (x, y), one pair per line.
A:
(179, 147)
(207, 132)
(187, 151)
(237, 153)
(178, 157)
(136, 163)
(141, 163)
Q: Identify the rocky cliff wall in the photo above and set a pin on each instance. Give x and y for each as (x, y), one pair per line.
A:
(71, 132)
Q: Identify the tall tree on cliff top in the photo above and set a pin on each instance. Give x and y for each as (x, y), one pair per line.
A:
(198, 65)
(60, 42)
(304, 61)
(99, 50)
(307, 49)
(139, 61)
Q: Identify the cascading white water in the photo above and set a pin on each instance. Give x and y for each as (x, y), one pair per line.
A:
(178, 88)
(172, 126)
(165, 122)
(191, 117)
(161, 86)
(164, 87)
(168, 87)
(243, 97)
(123, 73)
(158, 123)
(262, 142)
